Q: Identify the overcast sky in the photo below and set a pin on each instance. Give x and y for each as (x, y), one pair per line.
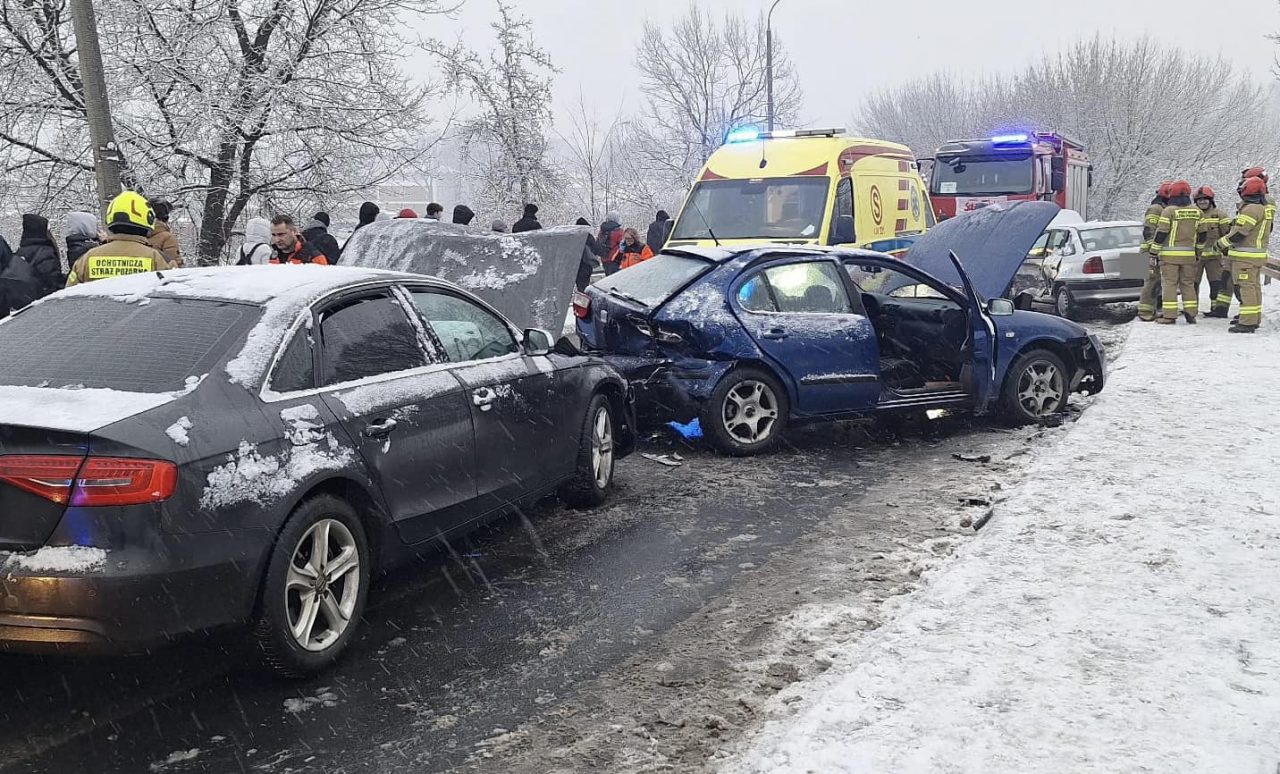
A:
(844, 49)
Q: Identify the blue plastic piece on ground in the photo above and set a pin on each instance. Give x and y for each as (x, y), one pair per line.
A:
(690, 431)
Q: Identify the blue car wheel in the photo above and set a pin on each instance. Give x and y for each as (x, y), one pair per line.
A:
(746, 413)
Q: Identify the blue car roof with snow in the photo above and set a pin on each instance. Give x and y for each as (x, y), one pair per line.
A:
(991, 244)
(726, 254)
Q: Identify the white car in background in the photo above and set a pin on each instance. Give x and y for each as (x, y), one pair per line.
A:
(1075, 264)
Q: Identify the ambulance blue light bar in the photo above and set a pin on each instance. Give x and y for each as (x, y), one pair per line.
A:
(751, 134)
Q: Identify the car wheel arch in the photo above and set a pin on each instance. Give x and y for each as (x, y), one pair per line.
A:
(1050, 345)
(768, 368)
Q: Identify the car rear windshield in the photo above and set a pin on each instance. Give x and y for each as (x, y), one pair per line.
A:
(768, 208)
(104, 343)
(656, 279)
(1111, 237)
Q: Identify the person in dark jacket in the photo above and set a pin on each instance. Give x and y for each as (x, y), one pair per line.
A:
(463, 215)
(434, 211)
(608, 242)
(290, 246)
(368, 214)
(529, 222)
(317, 235)
(37, 248)
(659, 231)
(82, 235)
(18, 283)
(590, 259)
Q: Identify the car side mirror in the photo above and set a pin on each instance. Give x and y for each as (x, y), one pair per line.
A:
(842, 230)
(1000, 307)
(537, 341)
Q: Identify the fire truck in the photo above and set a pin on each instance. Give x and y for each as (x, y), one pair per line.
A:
(970, 174)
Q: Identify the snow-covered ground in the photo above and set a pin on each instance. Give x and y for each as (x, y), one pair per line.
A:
(1120, 612)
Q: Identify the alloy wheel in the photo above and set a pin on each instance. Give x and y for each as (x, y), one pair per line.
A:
(602, 447)
(1041, 388)
(750, 411)
(323, 585)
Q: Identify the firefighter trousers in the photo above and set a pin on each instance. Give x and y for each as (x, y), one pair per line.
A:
(1178, 278)
(1150, 289)
(1212, 268)
(1248, 278)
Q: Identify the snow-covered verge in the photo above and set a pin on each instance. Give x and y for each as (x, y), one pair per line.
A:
(1119, 612)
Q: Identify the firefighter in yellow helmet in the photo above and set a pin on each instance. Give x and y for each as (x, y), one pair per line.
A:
(1246, 246)
(1175, 240)
(1214, 224)
(1151, 287)
(127, 251)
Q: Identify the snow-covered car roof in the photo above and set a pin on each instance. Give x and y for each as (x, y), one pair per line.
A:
(1106, 224)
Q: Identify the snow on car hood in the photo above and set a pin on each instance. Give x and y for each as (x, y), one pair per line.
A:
(991, 243)
(528, 277)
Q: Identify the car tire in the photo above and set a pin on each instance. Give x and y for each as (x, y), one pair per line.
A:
(1064, 304)
(746, 414)
(337, 602)
(593, 475)
(1036, 387)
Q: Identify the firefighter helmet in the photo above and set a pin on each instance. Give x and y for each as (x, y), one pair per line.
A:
(1254, 186)
(1254, 172)
(130, 209)
(1179, 188)
(1163, 190)
(1204, 192)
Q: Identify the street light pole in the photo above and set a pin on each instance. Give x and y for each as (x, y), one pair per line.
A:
(106, 156)
(768, 53)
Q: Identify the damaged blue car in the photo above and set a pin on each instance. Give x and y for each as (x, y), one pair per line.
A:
(750, 340)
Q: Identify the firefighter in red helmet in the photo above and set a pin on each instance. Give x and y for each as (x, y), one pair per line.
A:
(1214, 224)
(1151, 287)
(1246, 246)
(1175, 241)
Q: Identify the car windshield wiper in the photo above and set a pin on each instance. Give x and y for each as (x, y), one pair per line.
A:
(626, 297)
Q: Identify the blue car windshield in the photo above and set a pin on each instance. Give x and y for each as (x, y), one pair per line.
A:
(653, 281)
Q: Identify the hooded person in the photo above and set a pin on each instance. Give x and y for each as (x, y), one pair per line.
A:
(19, 285)
(659, 231)
(528, 222)
(257, 249)
(40, 252)
(316, 232)
(608, 242)
(127, 250)
(81, 235)
(161, 237)
(368, 214)
(498, 227)
(589, 261)
(463, 215)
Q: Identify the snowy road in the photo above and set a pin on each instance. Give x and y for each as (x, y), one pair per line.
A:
(643, 634)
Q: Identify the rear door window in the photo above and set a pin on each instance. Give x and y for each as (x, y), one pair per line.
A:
(366, 336)
(93, 342)
(296, 369)
(810, 287)
(655, 280)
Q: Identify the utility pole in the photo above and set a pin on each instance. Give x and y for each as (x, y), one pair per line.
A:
(106, 155)
(768, 53)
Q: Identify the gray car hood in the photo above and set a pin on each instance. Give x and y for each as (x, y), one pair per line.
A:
(991, 243)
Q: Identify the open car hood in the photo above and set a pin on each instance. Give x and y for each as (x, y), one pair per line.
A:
(991, 243)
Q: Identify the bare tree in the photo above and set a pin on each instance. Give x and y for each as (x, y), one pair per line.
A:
(1145, 112)
(218, 105)
(506, 141)
(702, 78)
(591, 164)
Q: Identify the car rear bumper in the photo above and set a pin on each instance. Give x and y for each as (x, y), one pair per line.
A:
(138, 599)
(1109, 291)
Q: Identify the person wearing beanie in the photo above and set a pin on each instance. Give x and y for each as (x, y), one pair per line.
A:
(462, 215)
(587, 265)
(40, 252)
(316, 232)
(407, 214)
(82, 234)
(529, 222)
(368, 214)
(498, 227)
(161, 237)
(434, 211)
(130, 221)
(659, 231)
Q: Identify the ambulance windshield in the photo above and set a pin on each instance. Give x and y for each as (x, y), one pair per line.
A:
(961, 176)
(770, 208)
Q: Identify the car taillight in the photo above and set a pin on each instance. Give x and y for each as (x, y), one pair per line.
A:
(581, 305)
(1093, 265)
(96, 481)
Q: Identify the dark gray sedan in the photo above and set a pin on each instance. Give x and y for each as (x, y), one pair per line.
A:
(212, 448)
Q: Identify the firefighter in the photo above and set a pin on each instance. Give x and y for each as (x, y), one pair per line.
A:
(1175, 244)
(1151, 288)
(127, 250)
(1212, 227)
(1258, 172)
(1246, 246)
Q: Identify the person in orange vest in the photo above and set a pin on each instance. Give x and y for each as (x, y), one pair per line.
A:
(290, 246)
(633, 250)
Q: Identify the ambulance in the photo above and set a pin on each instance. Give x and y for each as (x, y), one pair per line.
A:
(806, 187)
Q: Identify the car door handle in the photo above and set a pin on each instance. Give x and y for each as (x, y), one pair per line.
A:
(484, 398)
(775, 334)
(379, 429)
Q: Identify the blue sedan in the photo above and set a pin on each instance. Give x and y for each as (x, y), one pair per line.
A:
(752, 339)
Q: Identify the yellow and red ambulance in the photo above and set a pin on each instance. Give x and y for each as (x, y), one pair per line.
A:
(806, 187)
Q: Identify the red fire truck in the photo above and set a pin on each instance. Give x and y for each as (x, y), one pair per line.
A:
(970, 174)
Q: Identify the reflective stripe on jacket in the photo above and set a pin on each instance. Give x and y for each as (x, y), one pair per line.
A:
(1251, 234)
(1177, 226)
(120, 256)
